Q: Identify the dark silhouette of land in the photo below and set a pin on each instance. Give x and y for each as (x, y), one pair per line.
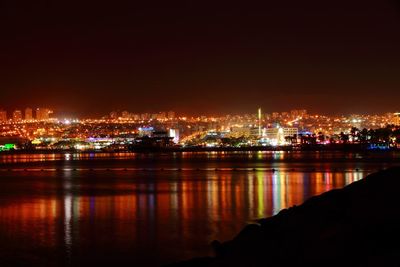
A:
(358, 225)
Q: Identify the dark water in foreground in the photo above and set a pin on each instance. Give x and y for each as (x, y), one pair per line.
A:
(148, 210)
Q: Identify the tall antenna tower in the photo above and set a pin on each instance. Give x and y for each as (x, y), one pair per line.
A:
(259, 122)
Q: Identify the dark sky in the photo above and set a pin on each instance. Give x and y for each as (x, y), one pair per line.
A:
(90, 57)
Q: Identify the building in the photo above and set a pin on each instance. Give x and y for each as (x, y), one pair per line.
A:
(113, 115)
(125, 115)
(278, 135)
(156, 143)
(135, 117)
(28, 114)
(145, 131)
(356, 121)
(145, 116)
(17, 115)
(161, 116)
(11, 143)
(290, 132)
(397, 118)
(171, 115)
(43, 114)
(237, 132)
(3, 116)
(255, 132)
(298, 113)
(174, 133)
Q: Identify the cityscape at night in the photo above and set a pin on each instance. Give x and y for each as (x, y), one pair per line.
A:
(124, 131)
(199, 133)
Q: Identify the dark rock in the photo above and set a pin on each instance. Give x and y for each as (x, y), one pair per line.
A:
(358, 225)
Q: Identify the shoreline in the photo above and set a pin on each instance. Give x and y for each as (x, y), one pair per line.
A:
(317, 148)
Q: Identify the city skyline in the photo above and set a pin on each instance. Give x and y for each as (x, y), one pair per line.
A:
(125, 131)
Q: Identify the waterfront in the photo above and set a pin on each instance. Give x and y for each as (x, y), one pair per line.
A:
(151, 209)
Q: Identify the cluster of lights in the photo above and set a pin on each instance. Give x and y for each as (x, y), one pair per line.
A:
(276, 129)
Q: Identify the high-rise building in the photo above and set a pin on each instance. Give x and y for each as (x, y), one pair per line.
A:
(161, 116)
(113, 115)
(397, 118)
(3, 116)
(28, 114)
(125, 115)
(43, 114)
(171, 115)
(17, 115)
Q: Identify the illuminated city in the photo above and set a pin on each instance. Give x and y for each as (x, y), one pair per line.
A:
(199, 133)
(123, 131)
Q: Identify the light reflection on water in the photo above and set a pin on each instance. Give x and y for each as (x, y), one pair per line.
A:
(157, 217)
(277, 156)
(146, 218)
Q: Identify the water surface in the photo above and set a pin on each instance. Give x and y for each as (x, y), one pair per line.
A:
(152, 209)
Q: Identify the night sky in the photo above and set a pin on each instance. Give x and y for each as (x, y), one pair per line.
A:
(200, 57)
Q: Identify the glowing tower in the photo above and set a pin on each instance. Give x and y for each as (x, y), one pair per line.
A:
(259, 122)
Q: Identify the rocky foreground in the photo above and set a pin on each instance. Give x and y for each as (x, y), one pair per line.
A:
(358, 225)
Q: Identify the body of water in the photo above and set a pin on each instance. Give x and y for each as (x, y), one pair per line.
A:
(152, 209)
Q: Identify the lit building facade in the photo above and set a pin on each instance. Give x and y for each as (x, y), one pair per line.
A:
(171, 115)
(17, 115)
(3, 116)
(174, 133)
(397, 118)
(43, 114)
(278, 135)
(28, 114)
(125, 115)
(113, 115)
(237, 132)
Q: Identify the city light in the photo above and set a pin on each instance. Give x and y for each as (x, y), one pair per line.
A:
(164, 130)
